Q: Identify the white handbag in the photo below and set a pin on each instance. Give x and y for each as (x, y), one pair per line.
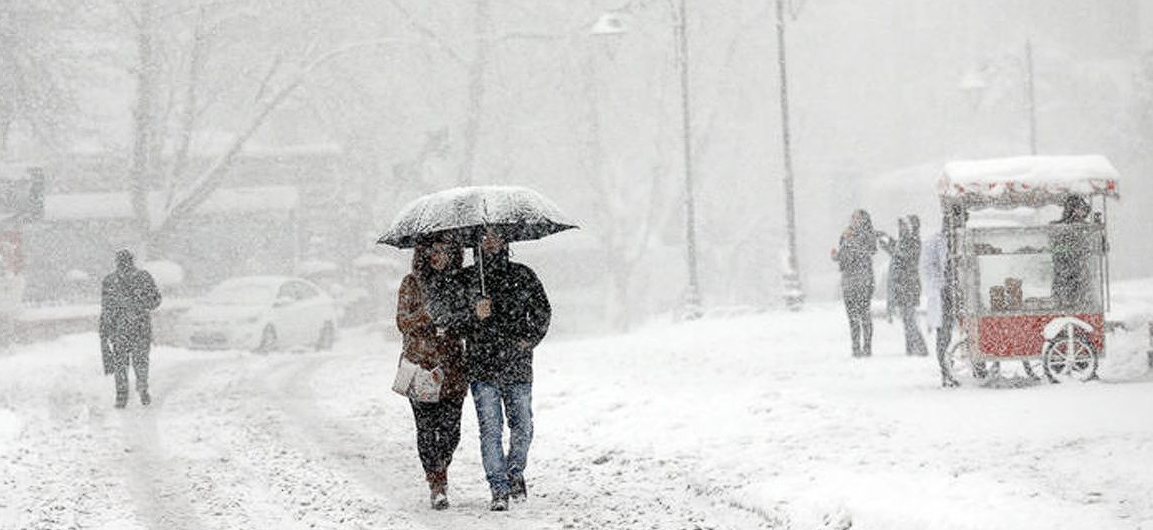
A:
(415, 382)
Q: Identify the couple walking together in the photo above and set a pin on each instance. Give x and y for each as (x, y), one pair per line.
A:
(479, 325)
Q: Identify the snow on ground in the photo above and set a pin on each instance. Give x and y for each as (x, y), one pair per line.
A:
(760, 421)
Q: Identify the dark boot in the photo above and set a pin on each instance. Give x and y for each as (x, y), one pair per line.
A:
(518, 490)
(121, 400)
(499, 502)
(438, 489)
(145, 399)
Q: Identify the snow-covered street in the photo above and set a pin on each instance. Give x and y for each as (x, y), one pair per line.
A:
(761, 421)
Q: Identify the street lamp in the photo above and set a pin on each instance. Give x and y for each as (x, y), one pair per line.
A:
(975, 83)
(794, 293)
(613, 23)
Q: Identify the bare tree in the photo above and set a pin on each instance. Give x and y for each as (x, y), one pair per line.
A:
(37, 67)
(630, 210)
(194, 73)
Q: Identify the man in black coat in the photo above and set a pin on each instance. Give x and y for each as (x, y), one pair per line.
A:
(128, 295)
(507, 322)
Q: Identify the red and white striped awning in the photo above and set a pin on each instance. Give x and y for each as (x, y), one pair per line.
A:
(1028, 180)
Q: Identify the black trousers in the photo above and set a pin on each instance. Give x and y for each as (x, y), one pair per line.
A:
(135, 353)
(945, 335)
(858, 294)
(437, 432)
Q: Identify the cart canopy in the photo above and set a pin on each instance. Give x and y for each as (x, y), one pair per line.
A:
(1027, 180)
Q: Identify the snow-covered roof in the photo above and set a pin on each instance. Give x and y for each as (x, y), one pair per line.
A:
(118, 205)
(265, 279)
(1030, 180)
(376, 260)
(165, 273)
(313, 267)
(16, 170)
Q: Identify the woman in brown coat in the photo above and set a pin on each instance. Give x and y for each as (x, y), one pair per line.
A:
(431, 301)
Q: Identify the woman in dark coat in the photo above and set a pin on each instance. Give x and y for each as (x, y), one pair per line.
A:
(854, 257)
(904, 281)
(430, 299)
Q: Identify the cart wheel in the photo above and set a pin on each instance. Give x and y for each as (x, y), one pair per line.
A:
(960, 361)
(1066, 359)
(1033, 366)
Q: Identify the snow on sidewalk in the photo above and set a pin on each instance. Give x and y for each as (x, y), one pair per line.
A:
(770, 413)
(761, 421)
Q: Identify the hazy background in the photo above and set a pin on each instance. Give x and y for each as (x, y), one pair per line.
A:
(390, 99)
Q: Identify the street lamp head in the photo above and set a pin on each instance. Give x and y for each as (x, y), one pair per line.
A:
(610, 24)
(973, 85)
(973, 82)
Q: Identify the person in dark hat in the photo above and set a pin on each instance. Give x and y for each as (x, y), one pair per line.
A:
(510, 319)
(128, 296)
(1071, 255)
(1076, 210)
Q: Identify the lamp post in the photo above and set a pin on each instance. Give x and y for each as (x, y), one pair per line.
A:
(1031, 96)
(794, 294)
(613, 24)
(975, 83)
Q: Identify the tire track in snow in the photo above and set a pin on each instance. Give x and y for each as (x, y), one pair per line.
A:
(385, 463)
(311, 432)
(158, 483)
(54, 478)
(583, 493)
(273, 464)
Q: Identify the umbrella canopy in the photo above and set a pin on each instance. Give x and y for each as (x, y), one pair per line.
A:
(462, 214)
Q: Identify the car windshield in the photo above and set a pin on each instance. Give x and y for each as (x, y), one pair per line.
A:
(241, 294)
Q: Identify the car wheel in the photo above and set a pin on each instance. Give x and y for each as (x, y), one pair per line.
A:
(267, 340)
(327, 337)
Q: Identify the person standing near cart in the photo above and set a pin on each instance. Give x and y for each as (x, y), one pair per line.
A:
(939, 300)
(905, 285)
(510, 318)
(128, 297)
(854, 257)
(1071, 255)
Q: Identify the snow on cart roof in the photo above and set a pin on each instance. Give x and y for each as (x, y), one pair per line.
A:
(1029, 179)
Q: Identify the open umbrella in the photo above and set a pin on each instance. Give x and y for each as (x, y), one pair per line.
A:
(463, 214)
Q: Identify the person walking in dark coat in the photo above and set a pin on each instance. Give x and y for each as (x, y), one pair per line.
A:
(508, 321)
(128, 296)
(906, 283)
(854, 257)
(428, 302)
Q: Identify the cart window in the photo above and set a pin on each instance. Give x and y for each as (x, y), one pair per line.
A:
(1054, 268)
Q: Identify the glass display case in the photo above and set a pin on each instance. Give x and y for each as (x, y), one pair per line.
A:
(1036, 269)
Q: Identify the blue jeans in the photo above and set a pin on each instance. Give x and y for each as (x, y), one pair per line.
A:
(517, 404)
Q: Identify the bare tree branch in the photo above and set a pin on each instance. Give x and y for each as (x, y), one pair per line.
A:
(428, 32)
(188, 109)
(268, 77)
(210, 180)
(204, 185)
(129, 13)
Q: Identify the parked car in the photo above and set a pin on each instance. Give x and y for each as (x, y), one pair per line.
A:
(260, 313)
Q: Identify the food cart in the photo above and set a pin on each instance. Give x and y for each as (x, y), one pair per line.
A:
(1034, 289)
